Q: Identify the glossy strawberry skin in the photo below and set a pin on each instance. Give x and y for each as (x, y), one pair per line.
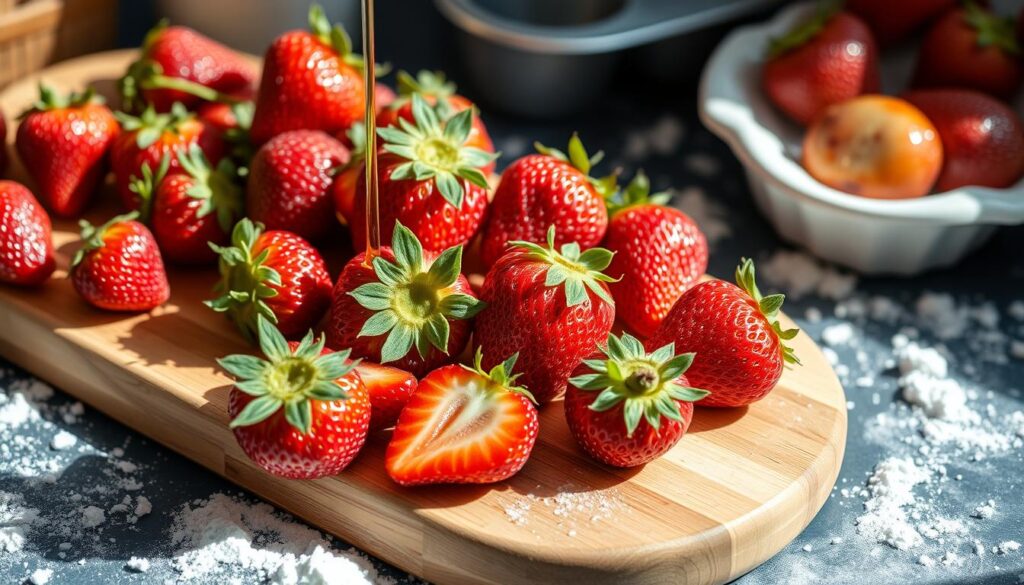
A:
(289, 181)
(526, 317)
(603, 434)
(306, 85)
(184, 237)
(305, 291)
(537, 191)
(419, 206)
(126, 274)
(3, 141)
(739, 356)
(485, 459)
(65, 152)
(389, 390)
(982, 139)
(839, 63)
(347, 318)
(343, 191)
(659, 254)
(892, 22)
(26, 245)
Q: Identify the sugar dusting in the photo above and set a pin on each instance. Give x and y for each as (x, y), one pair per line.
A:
(572, 509)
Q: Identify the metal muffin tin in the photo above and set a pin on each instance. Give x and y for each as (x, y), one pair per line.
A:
(548, 58)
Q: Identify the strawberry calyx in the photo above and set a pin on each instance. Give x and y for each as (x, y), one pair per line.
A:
(582, 161)
(288, 378)
(428, 83)
(216, 188)
(93, 237)
(150, 126)
(769, 306)
(434, 149)
(991, 29)
(637, 192)
(576, 270)
(49, 100)
(644, 383)
(336, 37)
(246, 282)
(804, 32)
(145, 186)
(499, 378)
(413, 298)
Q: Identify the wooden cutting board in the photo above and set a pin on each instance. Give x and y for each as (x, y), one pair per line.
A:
(736, 489)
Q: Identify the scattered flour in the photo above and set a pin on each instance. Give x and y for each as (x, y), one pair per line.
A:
(798, 274)
(985, 511)
(661, 139)
(93, 517)
(16, 519)
(573, 508)
(838, 334)
(892, 489)
(709, 215)
(41, 576)
(63, 440)
(137, 565)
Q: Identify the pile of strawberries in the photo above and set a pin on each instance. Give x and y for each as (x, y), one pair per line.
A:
(952, 129)
(210, 170)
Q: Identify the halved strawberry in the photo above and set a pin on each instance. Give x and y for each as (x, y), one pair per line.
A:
(464, 425)
(389, 388)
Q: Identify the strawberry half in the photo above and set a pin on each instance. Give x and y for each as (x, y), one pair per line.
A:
(626, 406)
(551, 308)
(301, 413)
(389, 389)
(26, 243)
(464, 425)
(736, 334)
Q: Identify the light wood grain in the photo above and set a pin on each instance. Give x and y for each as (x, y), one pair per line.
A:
(735, 490)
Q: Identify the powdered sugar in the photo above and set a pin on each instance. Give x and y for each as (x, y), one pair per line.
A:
(799, 274)
(574, 509)
(891, 486)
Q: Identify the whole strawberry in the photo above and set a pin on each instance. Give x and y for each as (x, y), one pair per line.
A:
(389, 389)
(118, 267)
(626, 407)
(548, 189)
(289, 180)
(828, 59)
(180, 65)
(26, 245)
(550, 307)
(311, 80)
(892, 22)
(736, 334)
(348, 177)
(147, 138)
(63, 143)
(3, 144)
(301, 413)
(428, 180)
(411, 308)
(659, 253)
(274, 274)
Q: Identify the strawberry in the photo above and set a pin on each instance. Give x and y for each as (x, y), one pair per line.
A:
(826, 60)
(348, 176)
(147, 138)
(464, 425)
(3, 144)
(982, 138)
(311, 81)
(274, 274)
(528, 313)
(437, 91)
(389, 389)
(736, 333)
(301, 413)
(892, 22)
(63, 143)
(429, 180)
(548, 189)
(26, 246)
(191, 208)
(971, 48)
(659, 253)
(118, 266)
(625, 406)
(409, 307)
(289, 180)
(180, 65)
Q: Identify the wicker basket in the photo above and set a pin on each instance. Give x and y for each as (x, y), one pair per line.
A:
(35, 33)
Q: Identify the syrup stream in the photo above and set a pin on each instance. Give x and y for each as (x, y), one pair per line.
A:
(372, 206)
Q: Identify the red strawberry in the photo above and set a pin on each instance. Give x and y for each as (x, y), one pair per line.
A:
(411, 309)
(548, 189)
(626, 406)
(274, 274)
(180, 65)
(736, 334)
(119, 268)
(302, 413)
(429, 180)
(828, 59)
(289, 180)
(982, 138)
(659, 253)
(63, 143)
(348, 176)
(892, 22)
(432, 86)
(146, 139)
(310, 81)
(971, 48)
(527, 313)
(464, 425)
(3, 144)
(192, 208)
(26, 247)
(389, 389)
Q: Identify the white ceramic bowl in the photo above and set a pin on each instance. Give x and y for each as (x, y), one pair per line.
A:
(869, 235)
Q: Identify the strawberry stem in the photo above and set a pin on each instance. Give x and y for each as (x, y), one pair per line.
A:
(575, 270)
(769, 306)
(992, 30)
